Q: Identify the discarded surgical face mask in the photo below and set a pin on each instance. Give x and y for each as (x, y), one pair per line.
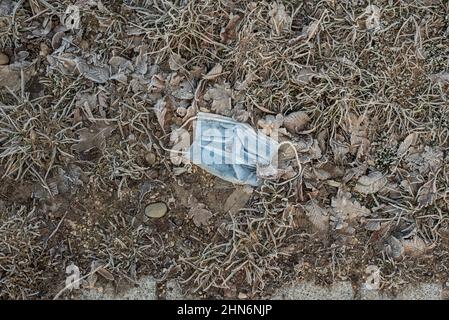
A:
(229, 149)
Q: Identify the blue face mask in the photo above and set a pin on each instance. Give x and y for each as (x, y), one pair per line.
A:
(229, 149)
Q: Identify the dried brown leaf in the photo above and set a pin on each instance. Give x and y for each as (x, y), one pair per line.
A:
(427, 194)
(92, 138)
(371, 183)
(340, 149)
(327, 171)
(347, 209)
(220, 95)
(271, 124)
(10, 76)
(65, 63)
(157, 83)
(372, 226)
(160, 108)
(93, 73)
(105, 274)
(214, 72)
(243, 85)
(407, 143)
(184, 91)
(176, 62)
(357, 127)
(238, 199)
(317, 215)
(414, 247)
(120, 64)
(199, 213)
(141, 63)
(395, 247)
(56, 41)
(296, 121)
(180, 139)
(429, 159)
(229, 33)
(354, 173)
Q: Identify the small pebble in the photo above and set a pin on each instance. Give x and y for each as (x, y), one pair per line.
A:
(156, 210)
(150, 158)
(3, 59)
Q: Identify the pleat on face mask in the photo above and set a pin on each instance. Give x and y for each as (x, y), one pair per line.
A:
(229, 149)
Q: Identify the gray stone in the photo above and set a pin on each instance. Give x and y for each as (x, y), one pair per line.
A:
(156, 210)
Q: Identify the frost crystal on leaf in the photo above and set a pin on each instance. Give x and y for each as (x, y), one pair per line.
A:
(220, 95)
(318, 216)
(371, 183)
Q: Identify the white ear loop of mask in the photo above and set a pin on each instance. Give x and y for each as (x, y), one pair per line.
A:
(297, 161)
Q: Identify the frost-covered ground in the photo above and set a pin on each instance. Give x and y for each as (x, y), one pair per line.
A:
(92, 94)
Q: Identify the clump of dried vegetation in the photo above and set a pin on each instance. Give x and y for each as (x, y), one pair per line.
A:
(90, 92)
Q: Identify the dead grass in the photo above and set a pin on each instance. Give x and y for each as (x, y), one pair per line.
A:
(21, 254)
